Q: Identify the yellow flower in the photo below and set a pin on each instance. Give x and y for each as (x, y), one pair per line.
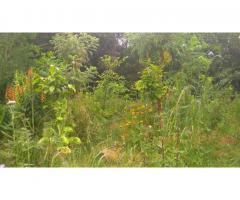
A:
(64, 150)
(128, 123)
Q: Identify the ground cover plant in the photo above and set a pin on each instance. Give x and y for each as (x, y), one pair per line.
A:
(119, 100)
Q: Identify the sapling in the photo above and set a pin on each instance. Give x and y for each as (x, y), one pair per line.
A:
(110, 80)
(152, 87)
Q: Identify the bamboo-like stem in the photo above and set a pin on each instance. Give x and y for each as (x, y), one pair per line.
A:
(46, 153)
(163, 153)
(13, 127)
(13, 122)
(177, 149)
(105, 98)
(160, 111)
(32, 105)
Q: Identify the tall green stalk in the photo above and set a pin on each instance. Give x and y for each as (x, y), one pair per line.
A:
(32, 104)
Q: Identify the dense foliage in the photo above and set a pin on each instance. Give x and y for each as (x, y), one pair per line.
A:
(114, 99)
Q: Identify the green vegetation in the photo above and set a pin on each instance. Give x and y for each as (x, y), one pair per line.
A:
(120, 100)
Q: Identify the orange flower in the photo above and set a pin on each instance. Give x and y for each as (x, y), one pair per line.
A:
(10, 93)
(19, 90)
(30, 72)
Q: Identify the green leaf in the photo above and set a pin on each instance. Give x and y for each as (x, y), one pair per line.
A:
(52, 69)
(59, 118)
(68, 129)
(64, 140)
(74, 140)
(71, 87)
(51, 89)
(42, 141)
